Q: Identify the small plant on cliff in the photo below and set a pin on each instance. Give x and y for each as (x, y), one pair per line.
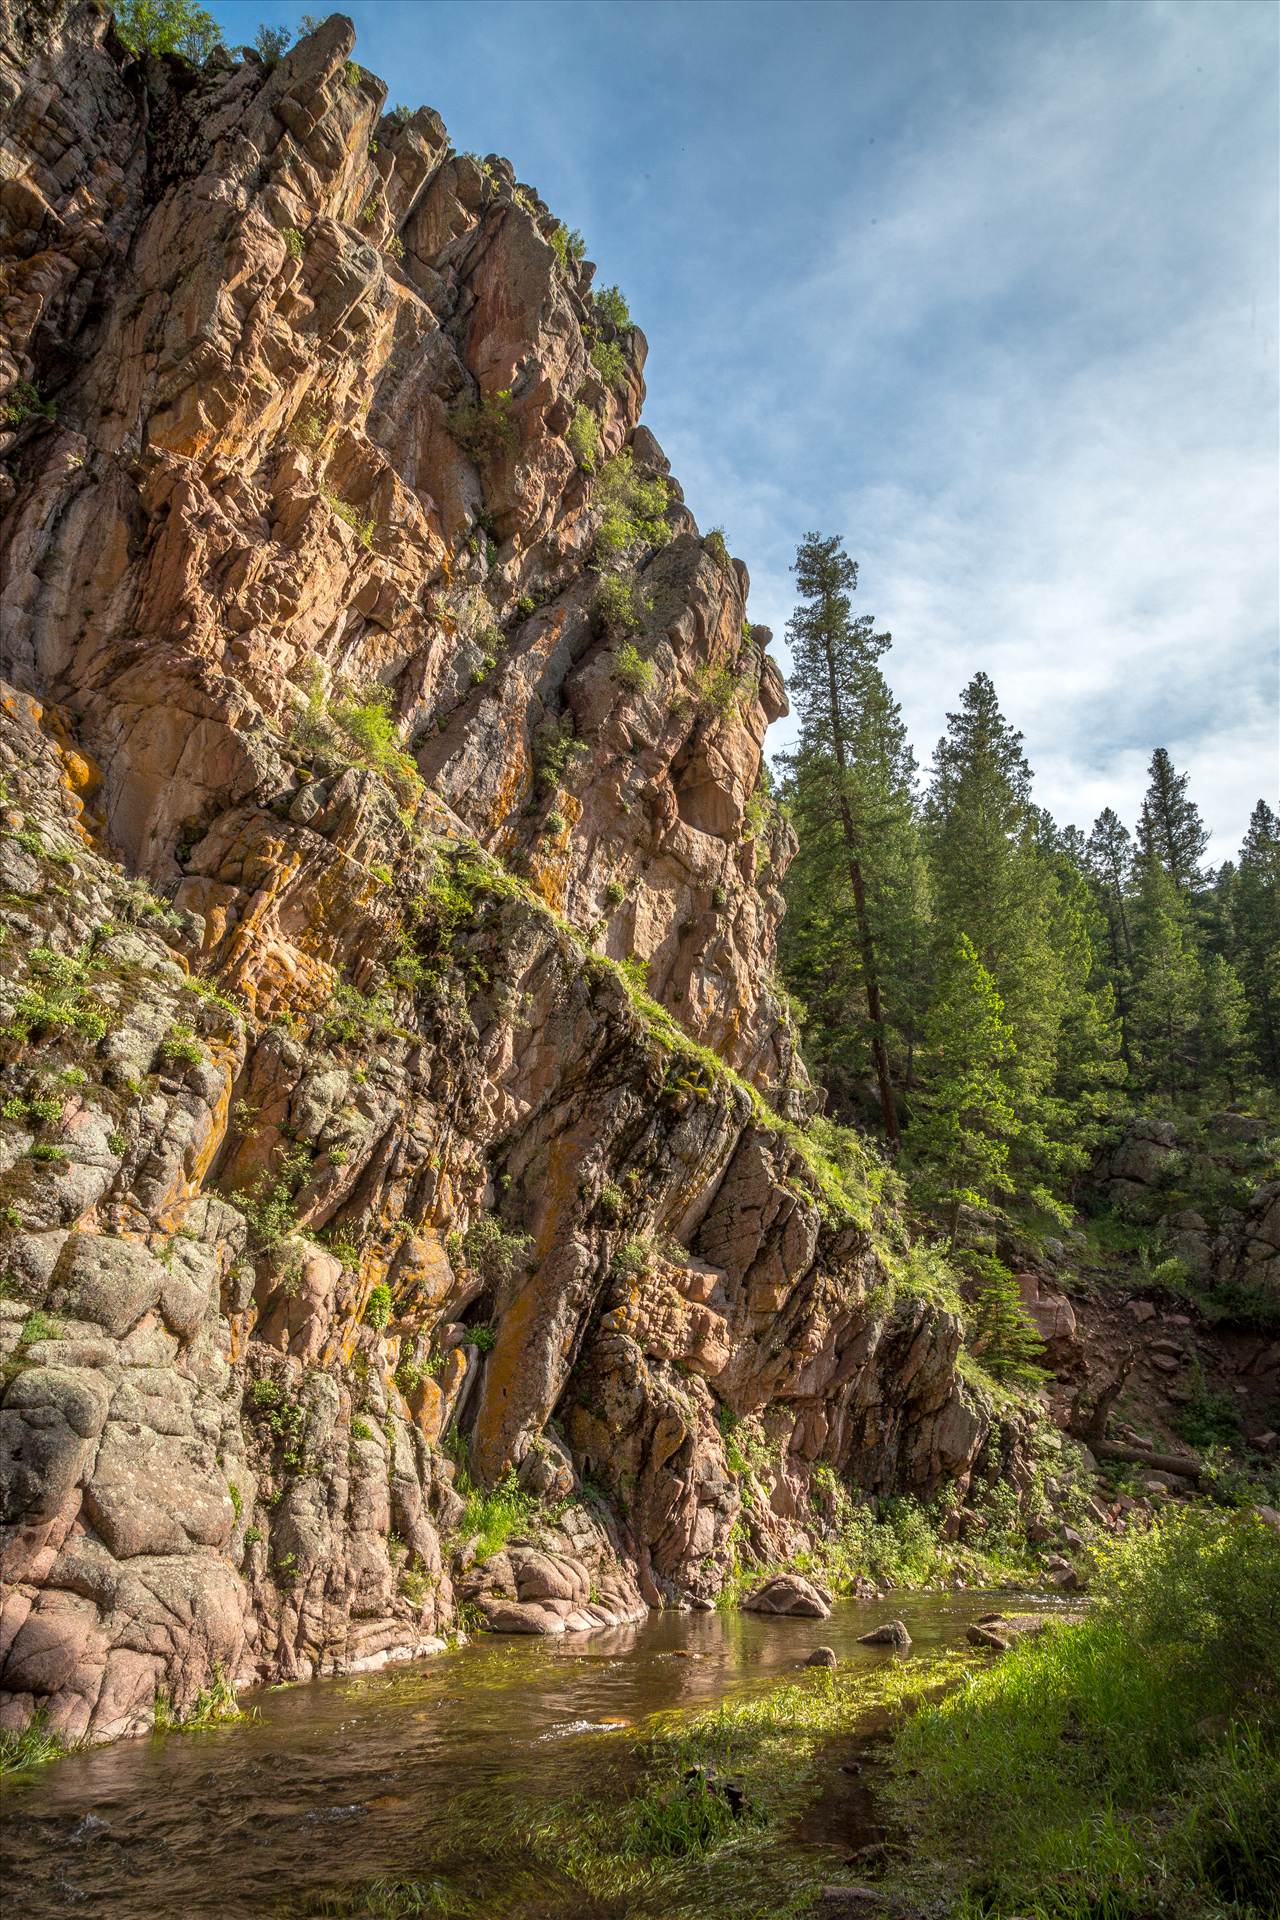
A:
(361, 524)
(611, 306)
(484, 428)
(214, 1706)
(492, 1518)
(555, 752)
(294, 244)
(609, 361)
(495, 1252)
(584, 438)
(622, 604)
(166, 26)
(24, 403)
(181, 1046)
(631, 667)
(633, 511)
(614, 894)
(357, 726)
(714, 542)
(377, 1311)
(269, 1205)
(719, 690)
(569, 246)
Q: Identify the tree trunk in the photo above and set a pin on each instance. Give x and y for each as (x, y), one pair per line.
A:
(870, 975)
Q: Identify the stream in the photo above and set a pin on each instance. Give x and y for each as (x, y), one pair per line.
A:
(340, 1780)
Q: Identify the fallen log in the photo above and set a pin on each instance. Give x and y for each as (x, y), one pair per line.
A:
(1183, 1464)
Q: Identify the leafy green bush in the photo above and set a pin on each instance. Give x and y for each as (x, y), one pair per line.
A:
(614, 894)
(569, 245)
(24, 403)
(166, 26)
(294, 244)
(495, 1252)
(491, 1518)
(714, 542)
(584, 438)
(633, 511)
(271, 44)
(377, 1308)
(611, 306)
(631, 667)
(362, 525)
(357, 728)
(181, 1046)
(484, 429)
(609, 361)
(556, 751)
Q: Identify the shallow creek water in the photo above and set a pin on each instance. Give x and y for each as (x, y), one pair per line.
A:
(343, 1779)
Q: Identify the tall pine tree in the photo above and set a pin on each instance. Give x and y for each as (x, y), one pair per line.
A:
(851, 776)
(962, 1136)
(1170, 829)
(1255, 925)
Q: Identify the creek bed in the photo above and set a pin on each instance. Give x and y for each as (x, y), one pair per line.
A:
(345, 1779)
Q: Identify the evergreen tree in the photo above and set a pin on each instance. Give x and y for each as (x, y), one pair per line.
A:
(1109, 858)
(1255, 926)
(1222, 1050)
(962, 1137)
(1166, 984)
(1171, 830)
(852, 772)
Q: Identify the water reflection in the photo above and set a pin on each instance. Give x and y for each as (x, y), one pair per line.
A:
(362, 1771)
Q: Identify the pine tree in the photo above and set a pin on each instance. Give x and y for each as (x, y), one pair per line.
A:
(1109, 859)
(1222, 1049)
(962, 1137)
(1171, 830)
(852, 771)
(1255, 925)
(1167, 984)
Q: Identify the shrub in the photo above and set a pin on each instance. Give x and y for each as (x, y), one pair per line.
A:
(555, 823)
(621, 603)
(495, 1252)
(614, 894)
(609, 361)
(633, 511)
(569, 246)
(714, 544)
(294, 244)
(361, 525)
(484, 429)
(181, 1046)
(631, 667)
(271, 43)
(24, 403)
(401, 115)
(358, 727)
(377, 1310)
(718, 690)
(610, 304)
(584, 438)
(555, 752)
(166, 26)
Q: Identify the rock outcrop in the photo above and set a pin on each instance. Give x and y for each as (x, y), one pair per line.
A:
(398, 1114)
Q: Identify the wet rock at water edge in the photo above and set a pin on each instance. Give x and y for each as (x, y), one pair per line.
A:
(990, 1637)
(789, 1593)
(822, 1657)
(892, 1634)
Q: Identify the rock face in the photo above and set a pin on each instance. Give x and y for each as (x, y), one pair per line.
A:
(343, 1171)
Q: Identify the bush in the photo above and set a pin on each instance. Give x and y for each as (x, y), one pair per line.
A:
(167, 26)
(614, 894)
(377, 1308)
(609, 361)
(493, 1517)
(294, 244)
(714, 543)
(358, 728)
(569, 245)
(484, 429)
(271, 43)
(363, 526)
(495, 1252)
(631, 667)
(555, 752)
(181, 1046)
(24, 403)
(584, 437)
(610, 304)
(633, 511)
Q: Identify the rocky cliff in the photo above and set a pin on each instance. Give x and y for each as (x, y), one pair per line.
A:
(396, 1102)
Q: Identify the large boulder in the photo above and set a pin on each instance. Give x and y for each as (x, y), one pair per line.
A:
(789, 1593)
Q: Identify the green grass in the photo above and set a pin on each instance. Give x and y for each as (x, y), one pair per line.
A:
(1123, 1767)
(33, 1747)
(492, 1518)
(214, 1706)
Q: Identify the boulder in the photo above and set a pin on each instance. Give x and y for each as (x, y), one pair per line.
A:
(788, 1593)
(892, 1634)
(822, 1657)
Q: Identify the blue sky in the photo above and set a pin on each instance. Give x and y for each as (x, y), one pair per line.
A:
(991, 289)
